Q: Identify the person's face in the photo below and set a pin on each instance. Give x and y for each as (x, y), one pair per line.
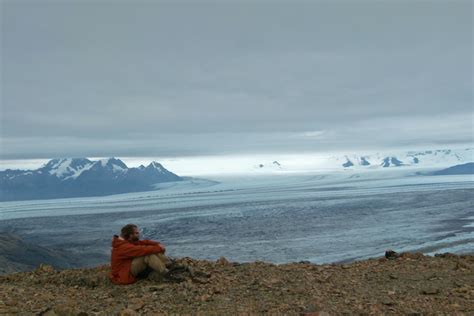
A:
(135, 236)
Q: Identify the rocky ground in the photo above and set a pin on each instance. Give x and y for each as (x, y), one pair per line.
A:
(396, 284)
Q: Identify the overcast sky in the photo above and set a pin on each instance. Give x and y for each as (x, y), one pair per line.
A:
(156, 78)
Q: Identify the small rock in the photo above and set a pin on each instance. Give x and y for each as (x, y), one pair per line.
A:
(463, 289)
(311, 308)
(127, 312)
(45, 268)
(190, 271)
(49, 312)
(188, 284)
(223, 261)
(391, 255)
(202, 274)
(430, 291)
(200, 281)
(136, 304)
(445, 255)
(205, 298)
(155, 288)
(61, 310)
(388, 302)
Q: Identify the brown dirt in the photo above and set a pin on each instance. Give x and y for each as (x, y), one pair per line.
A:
(410, 284)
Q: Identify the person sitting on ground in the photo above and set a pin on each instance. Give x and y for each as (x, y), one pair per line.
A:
(132, 258)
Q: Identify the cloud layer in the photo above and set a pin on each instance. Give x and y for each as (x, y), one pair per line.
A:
(103, 79)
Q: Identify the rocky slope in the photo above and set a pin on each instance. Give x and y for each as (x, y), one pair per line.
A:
(405, 284)
(18, 255)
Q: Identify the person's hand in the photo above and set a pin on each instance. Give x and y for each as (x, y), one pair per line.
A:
(162, 247)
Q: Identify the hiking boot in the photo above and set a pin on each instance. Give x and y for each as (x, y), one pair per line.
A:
(156, 276)
(178, 268)
(171, 276)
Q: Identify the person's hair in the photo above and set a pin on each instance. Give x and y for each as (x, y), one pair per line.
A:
(127, 230)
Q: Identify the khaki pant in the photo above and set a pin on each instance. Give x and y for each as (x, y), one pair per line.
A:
(157, 262)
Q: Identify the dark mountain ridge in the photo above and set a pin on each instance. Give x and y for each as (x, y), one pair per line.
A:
(467, 168)
(80, 177)
(19, 255)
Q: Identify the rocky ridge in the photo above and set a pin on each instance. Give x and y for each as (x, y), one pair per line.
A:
(396, 284)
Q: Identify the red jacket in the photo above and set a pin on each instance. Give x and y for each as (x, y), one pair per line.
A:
(123, 252)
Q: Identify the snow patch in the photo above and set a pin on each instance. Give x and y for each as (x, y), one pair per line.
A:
(79, 171)
(61, 168)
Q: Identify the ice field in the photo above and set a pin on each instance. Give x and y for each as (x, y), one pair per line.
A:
(320, 217)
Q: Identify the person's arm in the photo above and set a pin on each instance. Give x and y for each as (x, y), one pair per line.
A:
(148, 242)
(131, 251)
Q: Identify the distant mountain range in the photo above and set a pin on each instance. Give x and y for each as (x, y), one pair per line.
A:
(440, 158)
(428, 158)
(79, 177)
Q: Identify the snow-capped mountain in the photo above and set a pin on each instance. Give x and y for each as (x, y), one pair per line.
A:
(73, 177)
(427, 158)
(431, 159)
(67, 167)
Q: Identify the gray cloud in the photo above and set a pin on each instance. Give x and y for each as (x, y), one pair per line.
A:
(146, 78)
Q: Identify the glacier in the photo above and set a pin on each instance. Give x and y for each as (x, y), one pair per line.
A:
(321, 217)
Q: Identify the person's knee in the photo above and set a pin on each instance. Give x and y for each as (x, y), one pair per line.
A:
(156, 263)
(147, 259)
(163, 256)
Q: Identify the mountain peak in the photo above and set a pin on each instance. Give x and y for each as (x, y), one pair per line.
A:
(155, 165)
(348, 163)
(65, 167)
(110, 165)
(391, 161)
(111, 162)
